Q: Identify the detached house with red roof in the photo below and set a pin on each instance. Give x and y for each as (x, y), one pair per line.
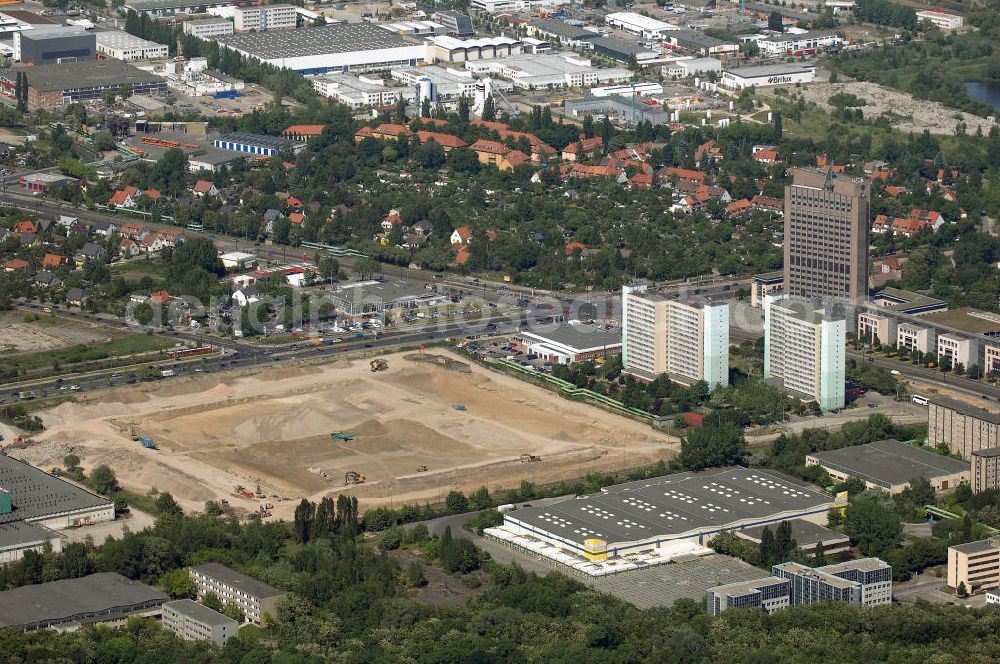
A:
(489, 152)
(585, 148)
(205, 188)
(447, 142)
(124, 198)
(302, 133)
(461, 235)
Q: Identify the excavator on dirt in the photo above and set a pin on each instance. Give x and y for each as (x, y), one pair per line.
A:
(530, 458)
(354, 477)
(378, 364)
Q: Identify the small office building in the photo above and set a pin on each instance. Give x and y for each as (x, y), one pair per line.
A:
(573, 342)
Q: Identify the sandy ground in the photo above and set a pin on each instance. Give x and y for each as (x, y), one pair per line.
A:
(271, 427)
(915, 115)
(20, 337)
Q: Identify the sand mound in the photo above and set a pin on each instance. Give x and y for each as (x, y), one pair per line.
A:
(220, 390)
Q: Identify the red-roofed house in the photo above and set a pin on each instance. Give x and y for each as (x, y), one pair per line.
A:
(205, 188)
(489, 152)
(586, 171)
(462, 256)
(684, 174)
(296, 217)
(461, 235)
(131, 230)
(492, 126)
(391, 219)
(159, 297)
(641, 181)
(152, 194)
(575, 246)
(303, 132)
(766, 156)
(15, 264)
(738, 208)
(127, 248)
(512, 160)
(54, 260)
(583, 148)
(894, 190)
(124, 198)
(25, 227)
(391, 132)
(447, 142)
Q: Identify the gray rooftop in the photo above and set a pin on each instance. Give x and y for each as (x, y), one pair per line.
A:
(621, 46)
(663, 585)
(148, 5)
(323, 40)
(580, 337)
(744, 587)
(697, 38)
(805, 533)
(820, 573)
(769, 70)
(84, 74)
(231, 577)
(199, 612)
(989, 453)
(54, 32)
(563, 29)
(679, 505)
(276, 142)
(19, 533)
(965, 409)
(979, 546)
(72, 600)
(36, 494)
(889, 463)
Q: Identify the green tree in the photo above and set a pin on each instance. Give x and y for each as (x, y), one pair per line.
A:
(178, 584)
(774, 21)
(303, 519)
(456, 502)
(71, 461)
(103, 479)
(873, 528)
(711, 446)
(167, 506)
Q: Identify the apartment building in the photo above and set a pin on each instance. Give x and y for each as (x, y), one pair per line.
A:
(196, 622)
(864, 582)
(265, 18)
(985, 469)
(804, 350)
(975, 564)
(827, 224)
(252, 596)
(209, 27)
(963, 428)
(688, 340)
(765, 284)
(913, 338)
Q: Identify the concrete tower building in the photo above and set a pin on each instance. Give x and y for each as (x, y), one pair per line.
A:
(827, 223)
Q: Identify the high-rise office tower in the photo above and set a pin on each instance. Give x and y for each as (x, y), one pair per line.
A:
(827, 223)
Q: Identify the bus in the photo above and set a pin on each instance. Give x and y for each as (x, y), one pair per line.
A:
(922, 401)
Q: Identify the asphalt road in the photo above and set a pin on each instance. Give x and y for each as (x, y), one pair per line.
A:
(948, 381)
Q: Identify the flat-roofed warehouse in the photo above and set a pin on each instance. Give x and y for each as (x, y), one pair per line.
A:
(891, 465)
(664, 511)
(52, 86)
(572, 342)
(341, 47)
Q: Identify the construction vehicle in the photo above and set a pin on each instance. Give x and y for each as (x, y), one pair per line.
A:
(530, 458)
(354, 477)
(379, 364)
(259, 493)
(422, 468)
(55, 472)
(147, 443)
(340, 435)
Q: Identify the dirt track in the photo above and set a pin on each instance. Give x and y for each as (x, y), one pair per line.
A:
(272, 427)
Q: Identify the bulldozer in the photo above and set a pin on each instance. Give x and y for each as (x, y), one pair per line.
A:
(379, 364)
(530, 458)
(354, 477)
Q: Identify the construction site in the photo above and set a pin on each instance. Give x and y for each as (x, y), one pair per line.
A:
(400, 428)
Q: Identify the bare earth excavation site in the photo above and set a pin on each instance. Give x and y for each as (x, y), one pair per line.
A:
(416, 430)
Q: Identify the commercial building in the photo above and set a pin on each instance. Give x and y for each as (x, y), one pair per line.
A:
(637, 24)
(876, 328)
(767, 75)
(770, 594)
(341, 47)
(209, 27)
(616, 109)
(806, 43)
(804, 350)
(890, 465)
(33, 503)
(826, 235)
(447, 83)
(170, 8)
(360, 91)
(985, 469)
(807, 536)
(913, 337)
(196, 622)
(645, 516)
(954, 350)
(253, 597)
(369, 297)
(694, 41)
(455, 23)
(535, 72)
(991, 359)
(963, 428)
(238, 260)
(123, 46)
(256, 144)
(561, 31)
(762, 285)
(976, 565)
(66, 605)
(688, 67)
(45, 182)
(452, 49)
(52, 86)
(264, 18)
(622, 50)
(13, 21)
(573, 342)
(908, 302)
(504, 6)
(942, 19)
(54, 45)
(863, 582)
(415, 28)
(688, 340)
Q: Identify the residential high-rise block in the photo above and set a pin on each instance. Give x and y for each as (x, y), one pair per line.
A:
(827, 224)
(804, 349)
(687, 339)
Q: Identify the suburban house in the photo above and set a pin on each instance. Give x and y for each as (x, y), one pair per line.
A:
(461, 235)
(205, 188)
(124, 198)
(246, 295)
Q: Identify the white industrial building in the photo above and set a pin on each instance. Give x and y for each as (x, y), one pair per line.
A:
(804, 350)
(123, 46)
(688, 67)
(767, 75)
(572, 342)
(942, 19)
(805, 43)
(415, 28)
(448, 83)
(628, 90)
(504, 6)
(637, 24)
(265, 18)
(549, 71)
(450, 49)
(341, 47)
(193, 77)
(360, 91)
(208, 27)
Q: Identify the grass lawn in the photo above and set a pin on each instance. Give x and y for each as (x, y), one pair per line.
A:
(127, 345)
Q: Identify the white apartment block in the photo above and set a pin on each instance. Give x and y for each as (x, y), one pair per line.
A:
(957, 349)
(208, 28)
(804, 348)
(254, 597)
(265, 18)
(913, 338)
(941, 19)
(686, 339)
